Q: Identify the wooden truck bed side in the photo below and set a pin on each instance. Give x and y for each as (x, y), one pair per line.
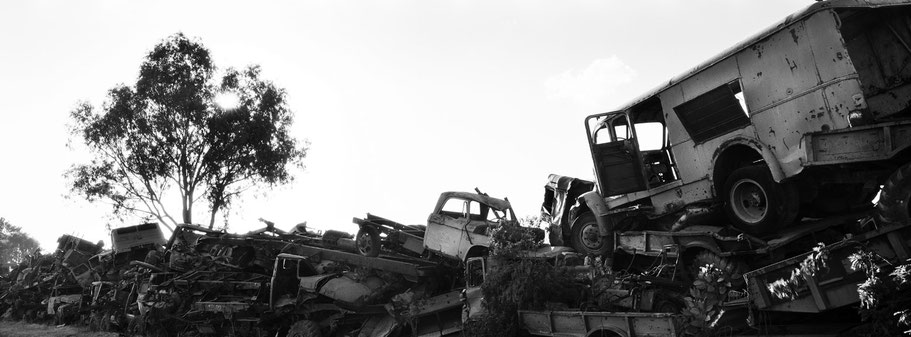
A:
(835, 287)
(582, 324)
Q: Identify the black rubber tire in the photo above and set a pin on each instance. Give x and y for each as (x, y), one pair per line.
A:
(368, 242)
(668, 302)
(895, 197)
(586, 236)
(732, 270)
(772, 205)
(304, 328)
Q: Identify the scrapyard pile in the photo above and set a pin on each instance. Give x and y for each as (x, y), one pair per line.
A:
(298, 283)
(206, 282)
(474, 272)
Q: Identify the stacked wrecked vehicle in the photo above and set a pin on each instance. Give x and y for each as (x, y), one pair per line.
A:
(266, 282)
(715, 198)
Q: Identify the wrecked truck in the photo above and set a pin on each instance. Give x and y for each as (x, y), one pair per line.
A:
(590, 302)
(317, 291)
(751, 158)
(807, 118)
(756, 151)
(457, 229)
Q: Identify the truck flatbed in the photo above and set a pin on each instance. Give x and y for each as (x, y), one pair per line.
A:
(588, 323)
(396, 264)
(835, 287)
(724, 241)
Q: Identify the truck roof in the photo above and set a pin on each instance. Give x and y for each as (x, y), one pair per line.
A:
(499, 204)
(781, 25)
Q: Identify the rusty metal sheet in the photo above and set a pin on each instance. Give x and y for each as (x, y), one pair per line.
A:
(221, 307)
(778, 67)
(828, 46)
(54, 301)
(378, 326)
(578, 323)
(437, 303)
(313, 283)
(344, 289)
(498, 204)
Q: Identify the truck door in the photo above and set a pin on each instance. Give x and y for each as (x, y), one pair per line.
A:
(475, 271)
(446, 227)
(615, 153)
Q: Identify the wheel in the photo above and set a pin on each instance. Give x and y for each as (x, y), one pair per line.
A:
(756, 203)
(586, 237)
(368, 242)
(305, 328)
(894, 197)
(668, 302)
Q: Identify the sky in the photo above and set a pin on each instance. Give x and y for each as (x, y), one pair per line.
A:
(400, 100)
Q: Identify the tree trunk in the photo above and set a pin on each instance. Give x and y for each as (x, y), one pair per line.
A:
(212, 219)
(215, 207)
(187, 212)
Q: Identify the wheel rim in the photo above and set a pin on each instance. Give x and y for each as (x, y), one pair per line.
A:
(590, 236)
(365, 244)
(749, 201)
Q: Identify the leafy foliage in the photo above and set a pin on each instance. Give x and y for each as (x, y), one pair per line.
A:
(514, 281)
(814, 263)
(15, 246)
(703, 305)
(513, 240)
(167, 133)
(885, 295)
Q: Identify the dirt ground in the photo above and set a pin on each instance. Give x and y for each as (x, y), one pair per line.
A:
(21, 329)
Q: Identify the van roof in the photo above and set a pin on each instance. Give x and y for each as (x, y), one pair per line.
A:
(781, 25)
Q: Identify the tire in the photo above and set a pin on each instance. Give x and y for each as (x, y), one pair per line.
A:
(668, 302)
(757, 204)
(895, 197)
(368, 242)
(586, 236)
(304, 328)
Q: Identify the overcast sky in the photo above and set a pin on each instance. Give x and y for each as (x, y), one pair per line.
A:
(400, 100)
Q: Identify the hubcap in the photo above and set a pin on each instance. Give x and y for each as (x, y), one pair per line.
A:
(591, 237)
(364, 244)
(749, 201)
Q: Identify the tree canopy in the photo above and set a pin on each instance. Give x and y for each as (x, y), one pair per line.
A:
(165, 141)
(15, 245)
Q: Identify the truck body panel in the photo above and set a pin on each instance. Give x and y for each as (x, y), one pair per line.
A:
(126, 238)
(836, 286)
(824, 91)
(584, 324)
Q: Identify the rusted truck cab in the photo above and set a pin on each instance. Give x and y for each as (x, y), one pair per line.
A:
(807, 118)
(458, 227)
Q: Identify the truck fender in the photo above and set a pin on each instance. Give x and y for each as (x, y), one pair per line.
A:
(772, 162)
(599, 209)
(764, 151)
